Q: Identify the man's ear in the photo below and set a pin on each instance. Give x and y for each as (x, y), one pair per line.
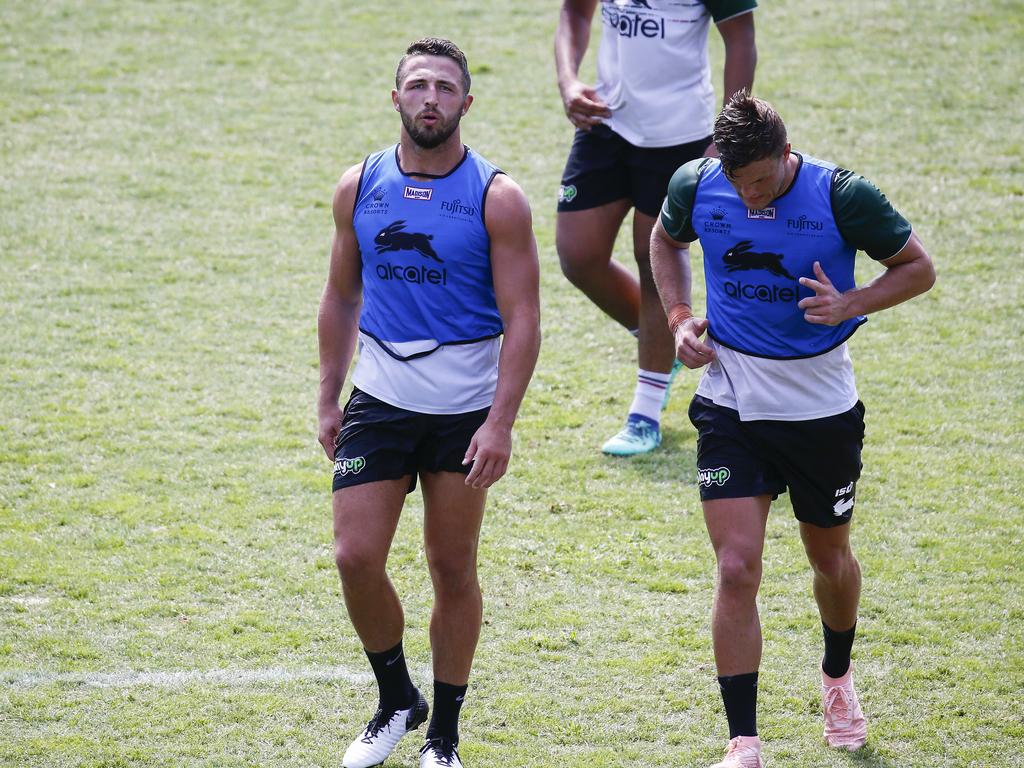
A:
(467, 102)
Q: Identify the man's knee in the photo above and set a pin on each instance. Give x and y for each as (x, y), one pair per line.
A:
(357, 562)
(739, 573)
(834, 564)
(453, 571)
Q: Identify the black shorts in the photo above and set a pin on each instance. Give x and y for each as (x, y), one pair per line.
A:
(603, 167)
(379, 441)
(817, 460)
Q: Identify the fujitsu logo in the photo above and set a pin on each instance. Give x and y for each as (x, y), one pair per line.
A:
(455, 206)
(803, 223)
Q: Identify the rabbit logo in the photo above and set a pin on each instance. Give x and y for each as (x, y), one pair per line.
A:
(740, 257)
(393, 238)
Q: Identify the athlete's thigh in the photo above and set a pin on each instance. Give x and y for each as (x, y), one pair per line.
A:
(587, 237)
(452, 515)
(737, 525)
(366, 517)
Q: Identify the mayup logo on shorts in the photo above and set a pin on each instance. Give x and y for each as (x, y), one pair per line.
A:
(566, 193)
(709, 477)
(349, 466)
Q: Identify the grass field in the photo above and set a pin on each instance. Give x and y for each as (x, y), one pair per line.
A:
(167, 588)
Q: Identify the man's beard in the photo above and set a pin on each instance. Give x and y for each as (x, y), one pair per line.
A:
(429, 138)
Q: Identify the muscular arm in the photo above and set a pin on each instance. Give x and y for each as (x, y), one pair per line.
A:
(740, 54)
(516, 272)
(337, 320)
(582, 105)
(670, 263)
(907, 274)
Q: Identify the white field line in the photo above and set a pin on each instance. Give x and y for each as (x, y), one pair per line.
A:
(183, 678)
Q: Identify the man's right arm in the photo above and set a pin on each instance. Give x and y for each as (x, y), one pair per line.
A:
(582, 105)
(670, 265)
(338, 318)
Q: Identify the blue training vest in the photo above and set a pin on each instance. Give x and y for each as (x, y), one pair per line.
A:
(753, 259)
(426, 262)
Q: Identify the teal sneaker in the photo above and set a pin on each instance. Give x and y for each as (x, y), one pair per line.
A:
(640, 435)
(677, 366)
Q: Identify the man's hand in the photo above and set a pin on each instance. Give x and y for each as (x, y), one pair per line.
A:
(489, 451)
(583, 106)
(827, 306)
(330, 426)
(690, 350)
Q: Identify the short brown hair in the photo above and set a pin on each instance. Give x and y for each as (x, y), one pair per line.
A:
(436, 46)
(748, 129)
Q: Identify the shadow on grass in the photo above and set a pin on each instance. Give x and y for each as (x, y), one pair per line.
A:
(867, 757)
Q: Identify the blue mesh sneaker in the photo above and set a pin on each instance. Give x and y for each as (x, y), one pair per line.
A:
(640, 435)
(677, 366)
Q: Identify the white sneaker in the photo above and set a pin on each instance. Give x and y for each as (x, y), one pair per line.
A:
(382, 733)
(439, 753)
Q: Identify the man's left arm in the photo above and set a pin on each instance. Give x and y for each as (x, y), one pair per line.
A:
(907, 274)
(740, 53)
(867, 220)
(516, 272)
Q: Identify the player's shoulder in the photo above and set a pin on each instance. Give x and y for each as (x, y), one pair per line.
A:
(505, 203)
(687, 176)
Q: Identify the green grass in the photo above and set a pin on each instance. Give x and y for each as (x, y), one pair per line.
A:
(165, 176)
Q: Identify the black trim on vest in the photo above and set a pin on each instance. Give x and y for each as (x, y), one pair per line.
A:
(483, 197)
(415, 355)
(791, 357)
(398, 162)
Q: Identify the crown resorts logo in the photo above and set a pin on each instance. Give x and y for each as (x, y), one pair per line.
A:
(376, 205)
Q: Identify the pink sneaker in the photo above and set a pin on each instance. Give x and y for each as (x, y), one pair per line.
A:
(845, 726)
(743, 752)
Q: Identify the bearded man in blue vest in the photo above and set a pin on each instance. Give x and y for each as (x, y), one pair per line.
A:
(777, 407)
(433, 261)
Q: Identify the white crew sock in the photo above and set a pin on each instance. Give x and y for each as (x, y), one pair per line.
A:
(649, 394)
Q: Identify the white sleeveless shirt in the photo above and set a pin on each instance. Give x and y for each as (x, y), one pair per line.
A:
(653, 69)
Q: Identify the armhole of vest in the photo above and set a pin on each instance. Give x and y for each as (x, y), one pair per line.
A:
(832, 182)
(483, 198)
(359, 186)
(702, 166)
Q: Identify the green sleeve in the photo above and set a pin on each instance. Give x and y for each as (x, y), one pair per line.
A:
(866, 218)
(725, 9)
(676, 211)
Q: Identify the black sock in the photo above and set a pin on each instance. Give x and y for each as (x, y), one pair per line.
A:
(444, 721)
(396, 689)
(739, 694)
(837, 650)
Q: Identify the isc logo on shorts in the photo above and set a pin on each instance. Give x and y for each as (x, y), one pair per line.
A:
(349, 466)
(709, 477)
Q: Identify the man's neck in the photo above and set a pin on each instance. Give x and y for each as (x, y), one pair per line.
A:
(439, 161)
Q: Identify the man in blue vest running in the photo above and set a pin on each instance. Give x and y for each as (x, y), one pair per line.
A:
(433, 260)
(777, 407)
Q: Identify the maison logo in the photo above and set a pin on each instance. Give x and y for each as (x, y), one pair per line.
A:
(418, 193)
(768, 214)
